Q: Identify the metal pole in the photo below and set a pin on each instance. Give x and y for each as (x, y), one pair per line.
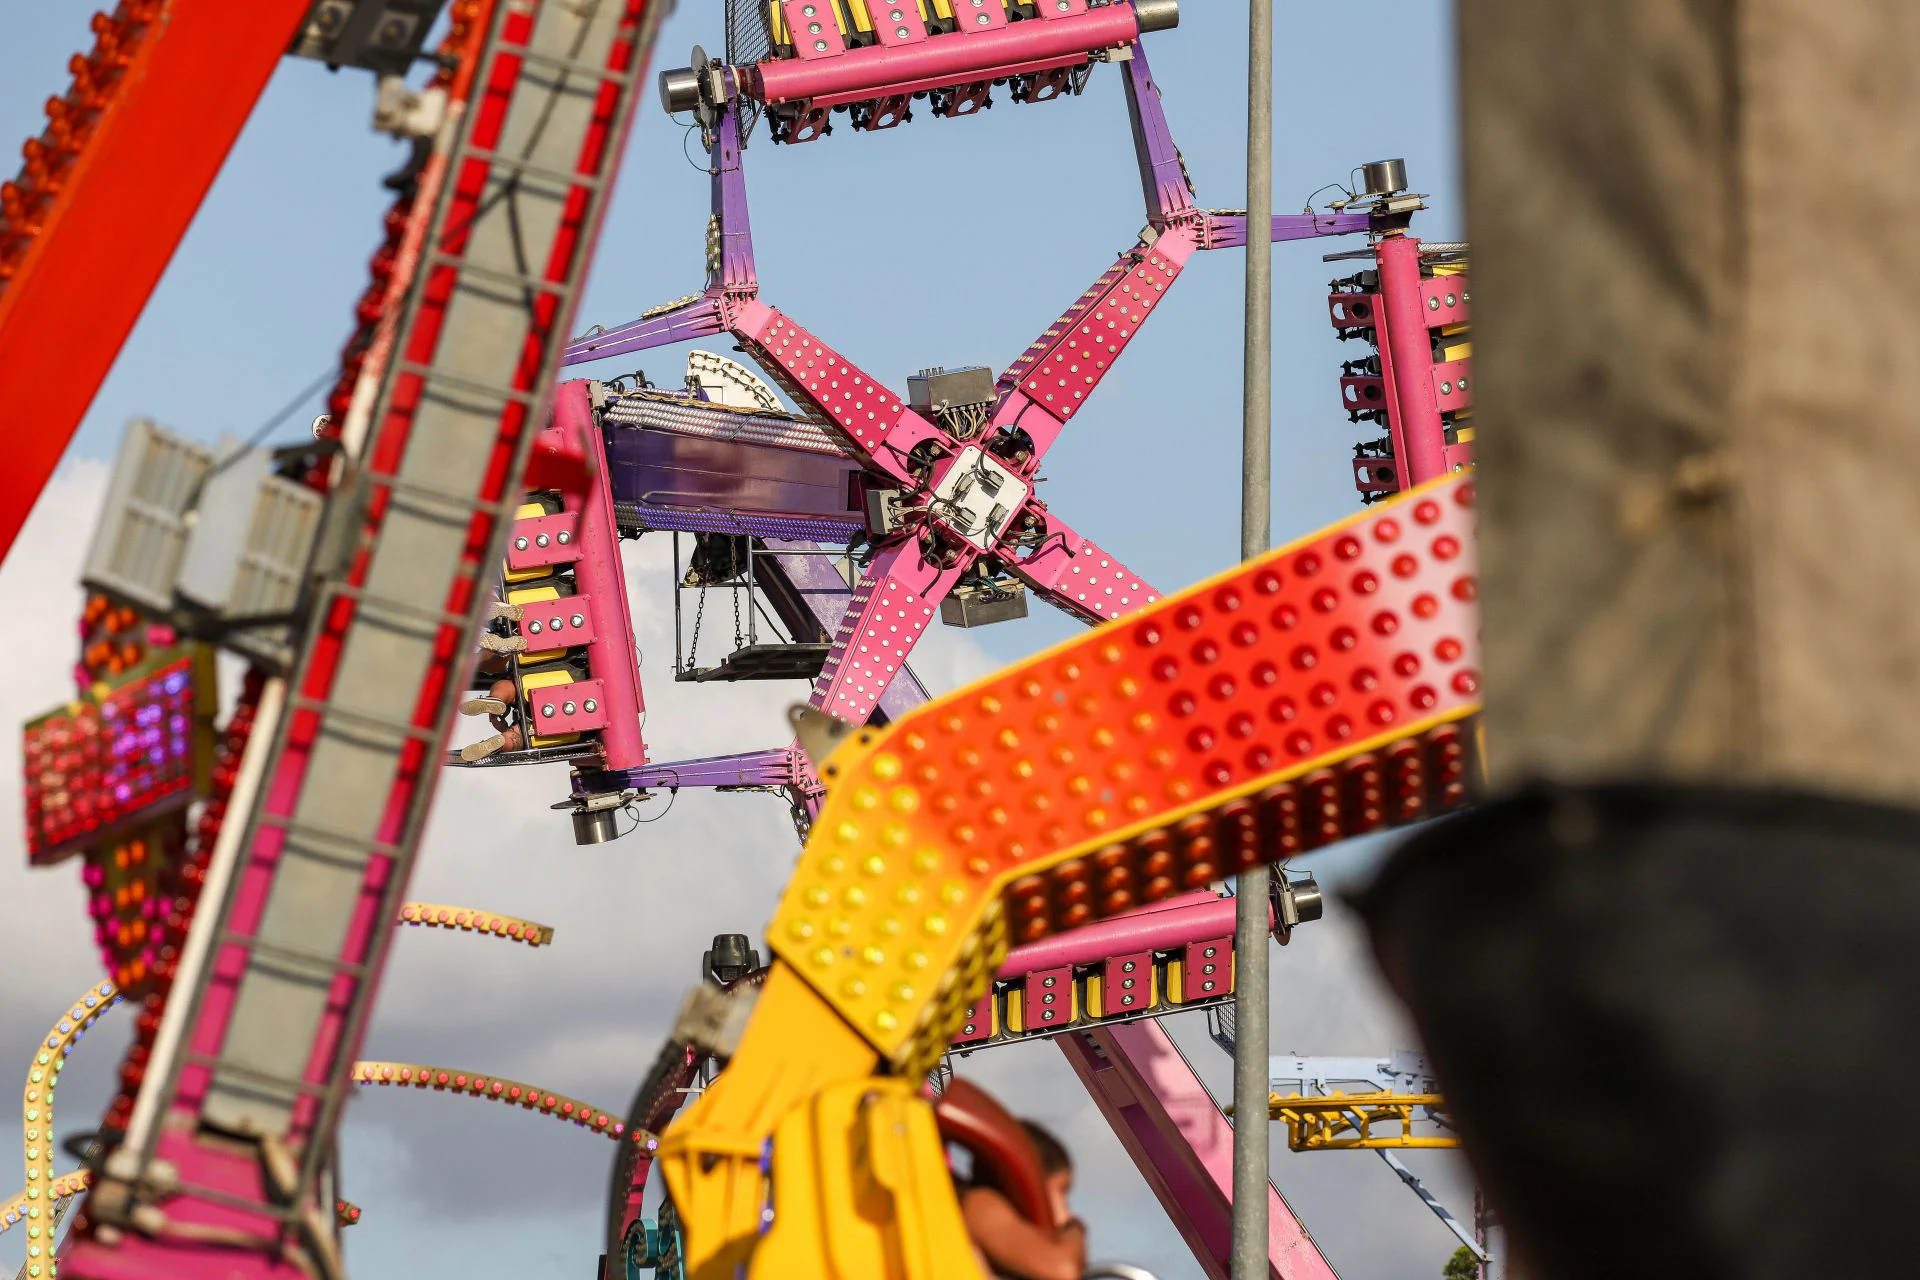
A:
(1250, 1127)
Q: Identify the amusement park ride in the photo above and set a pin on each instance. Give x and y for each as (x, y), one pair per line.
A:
(1034, 856)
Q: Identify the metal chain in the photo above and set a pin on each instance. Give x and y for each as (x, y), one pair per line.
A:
(739, 637)
(699, 611)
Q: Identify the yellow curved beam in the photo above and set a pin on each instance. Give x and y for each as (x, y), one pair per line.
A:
(36, 1128)
(513, 1093)
(14, 1211)
(33, 1205)
(1322, 690)
(438, 915)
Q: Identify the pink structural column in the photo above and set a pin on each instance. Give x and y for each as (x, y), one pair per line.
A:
(1183, 1145)
(1409, 363)
(571, 456)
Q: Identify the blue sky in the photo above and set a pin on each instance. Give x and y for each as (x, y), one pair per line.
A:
(993, 225)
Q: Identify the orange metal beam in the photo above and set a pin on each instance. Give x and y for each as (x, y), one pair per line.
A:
(105, 196)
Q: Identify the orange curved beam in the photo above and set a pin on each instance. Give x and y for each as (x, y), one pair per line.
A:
(437, 915)
(513, 1093)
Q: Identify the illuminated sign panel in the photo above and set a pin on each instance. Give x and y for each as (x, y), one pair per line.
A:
(136, 748)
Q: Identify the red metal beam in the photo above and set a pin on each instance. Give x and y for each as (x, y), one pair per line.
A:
(105, 196)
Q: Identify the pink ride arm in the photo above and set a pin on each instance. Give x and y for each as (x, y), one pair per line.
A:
(1059, 372)
(1078, 575)
(821, 379)
(892, 605)
(1176, 1134)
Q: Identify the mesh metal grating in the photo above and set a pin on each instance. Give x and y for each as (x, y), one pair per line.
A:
(748, 41)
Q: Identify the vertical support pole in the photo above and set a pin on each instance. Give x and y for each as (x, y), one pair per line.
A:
(1410, 352)
(1256, 534)
(1480, 1233)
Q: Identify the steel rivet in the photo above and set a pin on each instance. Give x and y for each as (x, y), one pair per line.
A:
(1451, 300)
(540, 540)
(1047, 998)
(1127, 967)
(565, 537)
(567, 707)
(533, 628)
(820, 46)
(1463, 384)
(813, 28)
(1446, 388)
(1126, 1000)
(519, 544)
(1206, 986)
(1208, 953)
(902, 32)
(578, 620)
(1046, 982)
(590, 705)
(1433, 304)
(547, 710)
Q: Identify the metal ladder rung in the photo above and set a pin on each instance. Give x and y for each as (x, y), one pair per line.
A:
(305, 831)
(288, 1216)
(430, 375)
(495, 161)
(427, 493)
(434, 617)
(510, 279)
(333, 966)
(328, 711)
(265, 1079)
(587, 69)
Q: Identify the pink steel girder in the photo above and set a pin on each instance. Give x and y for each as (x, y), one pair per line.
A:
(1406, 363)
(1183, 1145)
(233, 1126)
(570, 457)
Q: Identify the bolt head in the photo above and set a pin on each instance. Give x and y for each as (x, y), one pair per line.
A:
(565, 537)
(541, 540)
(519, 544)
(578, 620)
(533, 628)
(567, 707)
(546, 709)
(590, 705)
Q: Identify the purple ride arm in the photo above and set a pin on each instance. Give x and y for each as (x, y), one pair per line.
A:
(1229, 230)
(699, 318)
